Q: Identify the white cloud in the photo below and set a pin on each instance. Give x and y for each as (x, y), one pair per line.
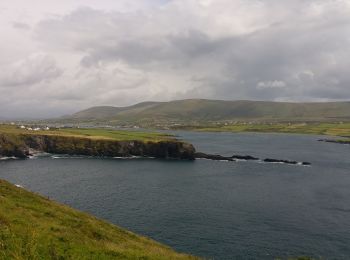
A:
(271, 84)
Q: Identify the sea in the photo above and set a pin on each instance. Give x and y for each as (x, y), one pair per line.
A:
(213, 209)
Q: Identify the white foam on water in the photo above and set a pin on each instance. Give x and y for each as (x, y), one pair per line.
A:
(8, 158)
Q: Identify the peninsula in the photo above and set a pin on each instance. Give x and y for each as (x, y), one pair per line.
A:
(23, 141)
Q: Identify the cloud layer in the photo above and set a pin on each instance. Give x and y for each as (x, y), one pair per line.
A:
(292, 50)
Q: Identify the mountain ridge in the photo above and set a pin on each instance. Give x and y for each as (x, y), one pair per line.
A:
(206, 110)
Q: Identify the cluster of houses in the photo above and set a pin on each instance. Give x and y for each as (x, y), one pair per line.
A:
(34, 128)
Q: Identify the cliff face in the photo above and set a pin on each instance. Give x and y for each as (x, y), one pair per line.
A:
(11, 145)
(20, 145)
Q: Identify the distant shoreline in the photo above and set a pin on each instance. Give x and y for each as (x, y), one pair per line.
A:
(341, 131)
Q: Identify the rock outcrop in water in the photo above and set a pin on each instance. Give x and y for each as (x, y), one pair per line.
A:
(335, 141)
(20, 145)
(269, 160)
(217, 157)
(233, 158)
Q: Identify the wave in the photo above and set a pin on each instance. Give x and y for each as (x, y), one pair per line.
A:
(66, 156)
(8, 158)
(69, 157)
(132, 157)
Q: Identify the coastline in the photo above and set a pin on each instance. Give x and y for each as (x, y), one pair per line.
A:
(21, 144)
(335, 129)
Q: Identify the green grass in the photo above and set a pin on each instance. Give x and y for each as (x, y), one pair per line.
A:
(119, 135)
(106, 134)
(34, 227)
(333, 129)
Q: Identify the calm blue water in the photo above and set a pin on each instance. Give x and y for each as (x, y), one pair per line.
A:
(219, 210)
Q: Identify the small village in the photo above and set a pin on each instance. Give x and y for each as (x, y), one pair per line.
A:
(28, 128)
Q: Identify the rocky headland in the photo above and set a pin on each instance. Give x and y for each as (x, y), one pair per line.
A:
(25, 145)
(22, 146)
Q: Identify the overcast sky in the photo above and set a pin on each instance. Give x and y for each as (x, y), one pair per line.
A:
(58, 57)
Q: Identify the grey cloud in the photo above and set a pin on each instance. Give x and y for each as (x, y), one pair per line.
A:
(31, 70)
(21, 26)
(261, 50)
(279, 51)
(172, 50)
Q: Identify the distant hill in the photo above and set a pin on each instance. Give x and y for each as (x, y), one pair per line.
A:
(192, 111)
(107, 111)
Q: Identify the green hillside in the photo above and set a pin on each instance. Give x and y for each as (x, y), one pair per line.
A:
(34, 227)
(108, 111)
(199, 111)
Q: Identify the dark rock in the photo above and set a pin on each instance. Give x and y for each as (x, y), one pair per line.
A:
(306, 163)
(279, 161)
(335, 141)
(217, 157)
(244, 157)
(214, 157)
(269, 160)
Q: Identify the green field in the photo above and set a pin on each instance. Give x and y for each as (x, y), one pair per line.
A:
(106, 134)
(331, 129)
(34, 227)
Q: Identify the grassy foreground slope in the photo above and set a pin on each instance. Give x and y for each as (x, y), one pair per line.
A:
(33, 227)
